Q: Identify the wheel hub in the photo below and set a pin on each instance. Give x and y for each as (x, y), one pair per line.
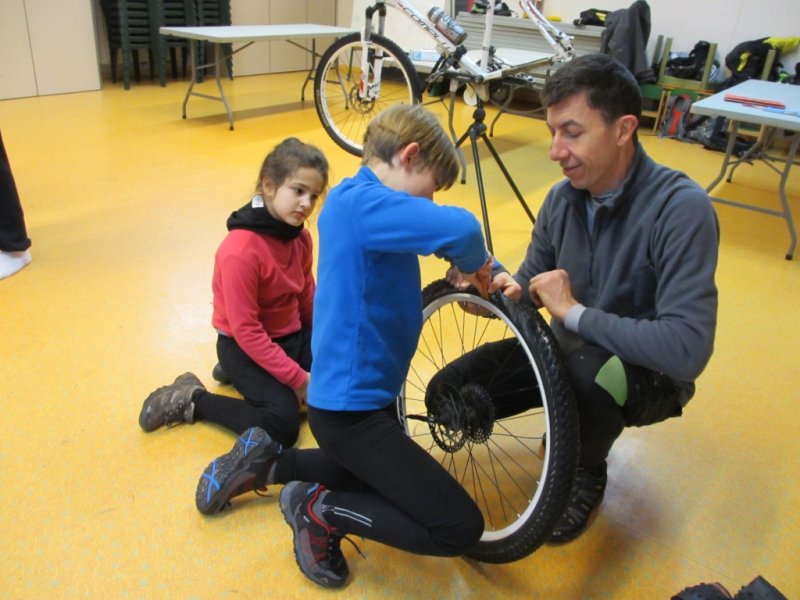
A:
(456, 417)
(361, 105)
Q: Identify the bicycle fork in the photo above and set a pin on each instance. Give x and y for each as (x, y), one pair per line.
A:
(369, 86)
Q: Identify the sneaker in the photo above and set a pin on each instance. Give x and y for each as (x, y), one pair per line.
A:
(587, 493)
(243, 469)
(316, 544)
(11, 262)
(703, 591)
(219, 374)
(170, 404)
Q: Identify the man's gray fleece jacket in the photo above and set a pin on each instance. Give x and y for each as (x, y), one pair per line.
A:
(645, 273)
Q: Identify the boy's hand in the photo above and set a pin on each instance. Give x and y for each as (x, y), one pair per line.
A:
(480, 278)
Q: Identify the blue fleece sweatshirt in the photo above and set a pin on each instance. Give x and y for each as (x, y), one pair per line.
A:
(368, 304)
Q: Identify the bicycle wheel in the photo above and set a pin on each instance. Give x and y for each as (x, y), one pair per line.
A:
(488, 432)
(344, 112)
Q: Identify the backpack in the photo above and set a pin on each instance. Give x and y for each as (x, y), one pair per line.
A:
(593, 16)
(500, 8)
(747, 59)
(676, 116)
(689, 67)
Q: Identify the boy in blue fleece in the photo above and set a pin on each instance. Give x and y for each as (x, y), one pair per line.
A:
(368, 478)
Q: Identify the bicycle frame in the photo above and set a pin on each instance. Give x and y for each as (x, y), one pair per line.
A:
(468, 69)
(558, 40)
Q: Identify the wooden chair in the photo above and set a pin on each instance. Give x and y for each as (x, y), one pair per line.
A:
(667, 81)
(652, 103)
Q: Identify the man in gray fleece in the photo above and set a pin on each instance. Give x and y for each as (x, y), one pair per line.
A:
(623, 257)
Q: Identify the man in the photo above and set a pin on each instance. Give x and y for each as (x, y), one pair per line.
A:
(623, 258)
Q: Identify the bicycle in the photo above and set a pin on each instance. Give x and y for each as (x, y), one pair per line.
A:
(512, 445)
(363, 73)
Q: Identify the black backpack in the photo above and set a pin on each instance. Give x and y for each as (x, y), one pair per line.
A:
(747, 59)
(593, 16)
(689, 67)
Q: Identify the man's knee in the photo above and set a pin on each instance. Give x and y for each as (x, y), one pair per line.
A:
(586, 367)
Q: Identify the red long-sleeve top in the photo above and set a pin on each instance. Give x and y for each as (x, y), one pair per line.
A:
(264, 289)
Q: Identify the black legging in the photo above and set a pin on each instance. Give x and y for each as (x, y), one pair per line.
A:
(13, 235)
(384, 486)
(268, 403)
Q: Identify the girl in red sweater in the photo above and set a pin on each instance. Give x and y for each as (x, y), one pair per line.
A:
(263, 296)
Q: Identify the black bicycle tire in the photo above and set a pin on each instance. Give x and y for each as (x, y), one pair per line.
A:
(562, 441)
(404, 64)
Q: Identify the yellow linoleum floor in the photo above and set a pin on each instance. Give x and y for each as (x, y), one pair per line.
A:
(126, 204)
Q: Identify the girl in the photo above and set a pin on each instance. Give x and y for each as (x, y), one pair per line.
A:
(263, 297)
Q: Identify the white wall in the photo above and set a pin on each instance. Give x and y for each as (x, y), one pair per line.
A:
(47, 48)
(726, 22)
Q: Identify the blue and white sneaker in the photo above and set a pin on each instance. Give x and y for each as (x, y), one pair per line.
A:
(243, 469)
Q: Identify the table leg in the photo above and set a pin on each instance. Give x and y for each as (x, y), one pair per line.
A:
(727, 160)
(310, 74)
(759, 154)
(193, 63)
(219, 59)
(790, 158)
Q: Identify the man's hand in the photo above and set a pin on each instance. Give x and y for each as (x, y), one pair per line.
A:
(553, 291)
(505, 283)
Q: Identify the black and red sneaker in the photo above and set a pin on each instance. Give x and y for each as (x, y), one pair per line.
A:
(316, 544)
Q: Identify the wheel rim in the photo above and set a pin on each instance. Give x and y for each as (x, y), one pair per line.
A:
(500, 460)
(347, 113)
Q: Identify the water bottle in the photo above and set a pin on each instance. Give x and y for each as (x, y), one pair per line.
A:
(447, 25)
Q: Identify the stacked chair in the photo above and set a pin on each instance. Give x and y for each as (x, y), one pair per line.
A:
(132, 25)
(175, 13)
(213, 12)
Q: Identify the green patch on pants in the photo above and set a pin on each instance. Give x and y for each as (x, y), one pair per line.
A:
(611, 377)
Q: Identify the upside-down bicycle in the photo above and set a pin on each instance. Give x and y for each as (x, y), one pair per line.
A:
(363, 73)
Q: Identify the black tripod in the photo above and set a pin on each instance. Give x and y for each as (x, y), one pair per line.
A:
(477, 130)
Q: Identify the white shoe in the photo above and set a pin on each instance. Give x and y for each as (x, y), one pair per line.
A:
(11, 262)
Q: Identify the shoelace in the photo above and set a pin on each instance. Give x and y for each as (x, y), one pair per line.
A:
(334, 542)
(174, 419)
(263, 492)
